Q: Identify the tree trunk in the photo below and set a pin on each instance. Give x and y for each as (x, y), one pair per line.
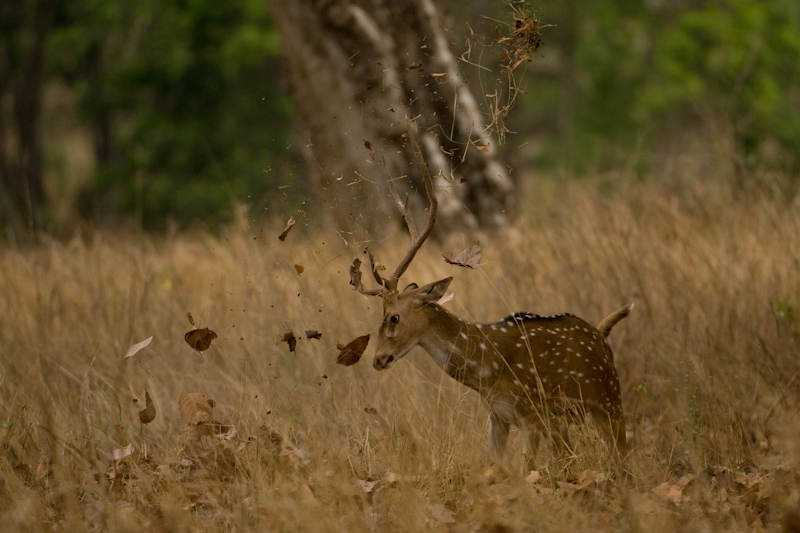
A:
(358, 68)
(25, 27)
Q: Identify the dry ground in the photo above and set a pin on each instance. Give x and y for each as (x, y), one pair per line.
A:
(708, 362)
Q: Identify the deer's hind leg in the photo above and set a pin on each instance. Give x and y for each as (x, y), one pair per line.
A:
(613, 429)
(498, 434)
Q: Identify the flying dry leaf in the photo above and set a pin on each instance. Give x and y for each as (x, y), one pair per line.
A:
(313, 334)
(148, 414)
(138, 346)
(437, 74)
(448, 297)
(371, 147)
(194, 408)
(290, 339)
(483, 147)
(299, 269)
(191, 320)
(371, 410)
(470, 258)
(351, 354)
(122, 453)
(200, 339)
(355, 273)
(414, 65)
(289, 225)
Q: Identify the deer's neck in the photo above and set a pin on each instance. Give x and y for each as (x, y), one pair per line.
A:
(447, 341)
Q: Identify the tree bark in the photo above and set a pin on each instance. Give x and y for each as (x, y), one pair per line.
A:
(25, 27)
(357, 69)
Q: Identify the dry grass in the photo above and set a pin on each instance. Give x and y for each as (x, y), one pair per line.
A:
(708, 362)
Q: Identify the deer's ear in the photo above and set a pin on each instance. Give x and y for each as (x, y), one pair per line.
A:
(411, 287)
(431, 292)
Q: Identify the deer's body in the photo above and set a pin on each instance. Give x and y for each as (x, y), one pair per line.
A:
(530, 370)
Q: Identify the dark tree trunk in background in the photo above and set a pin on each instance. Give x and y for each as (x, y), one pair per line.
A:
(24, 27)
(357, 68)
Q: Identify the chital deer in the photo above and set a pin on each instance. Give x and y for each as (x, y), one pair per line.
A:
(531, 371)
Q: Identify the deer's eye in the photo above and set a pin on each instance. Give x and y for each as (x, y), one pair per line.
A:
(394, 319)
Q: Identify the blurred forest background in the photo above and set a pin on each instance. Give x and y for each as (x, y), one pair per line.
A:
(158, 114)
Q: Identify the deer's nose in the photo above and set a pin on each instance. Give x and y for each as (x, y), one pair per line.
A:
(382, 362)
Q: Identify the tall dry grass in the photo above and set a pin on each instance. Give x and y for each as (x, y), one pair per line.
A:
(708, 362)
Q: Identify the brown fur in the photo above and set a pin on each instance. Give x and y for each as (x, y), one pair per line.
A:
(525, 367)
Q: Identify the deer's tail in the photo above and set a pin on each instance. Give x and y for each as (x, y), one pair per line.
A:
(611, 320)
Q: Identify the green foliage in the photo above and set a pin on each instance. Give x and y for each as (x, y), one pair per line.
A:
(183, 101)
(631, 75)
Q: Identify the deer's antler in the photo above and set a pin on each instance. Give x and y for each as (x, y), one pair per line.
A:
(417, 239)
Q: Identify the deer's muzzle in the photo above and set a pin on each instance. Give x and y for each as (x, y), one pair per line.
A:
(382, 362)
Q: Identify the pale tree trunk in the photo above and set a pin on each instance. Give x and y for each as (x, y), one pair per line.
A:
(357, 69)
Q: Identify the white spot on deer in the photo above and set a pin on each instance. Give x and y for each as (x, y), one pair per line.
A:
(479, 326)
(463, 335)
(519, 365)
(485, 372)
(580, 374)
(482, 346)
(518, 345)
(496, 365)
(533, 334)
(533, 371)
(516, 382)
(572, 372)
(504, 330)
(509, 324)
(560, 370)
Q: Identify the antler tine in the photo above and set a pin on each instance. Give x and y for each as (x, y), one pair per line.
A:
(416, 242)
(355, 278)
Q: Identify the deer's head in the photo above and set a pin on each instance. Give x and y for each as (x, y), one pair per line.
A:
(404, 313)
(406, 316)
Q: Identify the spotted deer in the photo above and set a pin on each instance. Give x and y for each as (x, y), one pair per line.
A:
(534, 372)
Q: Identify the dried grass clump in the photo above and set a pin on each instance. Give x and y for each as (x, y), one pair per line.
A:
(707, 360)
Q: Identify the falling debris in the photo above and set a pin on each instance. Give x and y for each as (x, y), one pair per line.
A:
(290, 339)
(313, 334)
(200, 339)
(138, 346)
(289, 225)
(371, 147)
(351, 354)
(148, 414)
(469, 258)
